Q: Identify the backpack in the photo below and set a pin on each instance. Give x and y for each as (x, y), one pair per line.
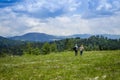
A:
(74, 48)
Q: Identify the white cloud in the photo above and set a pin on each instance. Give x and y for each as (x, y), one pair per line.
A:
(108, 25)
(75, 24)
(35, 6)
(104, 5)
(17, 23)
(116, 5)
(62, 26)
(108, 5)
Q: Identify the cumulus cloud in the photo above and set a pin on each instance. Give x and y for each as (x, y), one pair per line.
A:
(46, 8)
(75, 24)
(102, 8)
(64, 17)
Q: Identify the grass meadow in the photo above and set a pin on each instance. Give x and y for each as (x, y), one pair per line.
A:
(93, 65)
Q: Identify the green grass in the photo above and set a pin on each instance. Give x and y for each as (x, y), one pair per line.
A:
(93, 65)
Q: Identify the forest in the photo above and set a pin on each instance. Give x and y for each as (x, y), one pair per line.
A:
(93, 43)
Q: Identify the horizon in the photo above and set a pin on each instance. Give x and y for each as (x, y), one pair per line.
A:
(59, 18)
(57, 35)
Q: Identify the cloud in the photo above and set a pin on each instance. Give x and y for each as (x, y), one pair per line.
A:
(63, 17)
(46, 8)
(61, 25)
(101, 8)
(73, 25)
(106, 25)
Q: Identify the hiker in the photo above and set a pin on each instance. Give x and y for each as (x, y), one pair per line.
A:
(75, 49)
(81, 49)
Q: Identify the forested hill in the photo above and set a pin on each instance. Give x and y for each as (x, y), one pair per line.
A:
(9, 42)
(5, 41)
(10, 47)
(109, 36)
(13, 47)
(42, 37)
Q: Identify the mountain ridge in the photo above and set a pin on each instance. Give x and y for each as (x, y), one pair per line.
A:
(35, 37)
(42, 37)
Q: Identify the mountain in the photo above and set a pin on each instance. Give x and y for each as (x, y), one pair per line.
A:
(42, 37)
(81, 35)
(2, 38)
(110, 36)
(8, 42)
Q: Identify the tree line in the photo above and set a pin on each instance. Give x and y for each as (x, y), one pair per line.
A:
(11, 47)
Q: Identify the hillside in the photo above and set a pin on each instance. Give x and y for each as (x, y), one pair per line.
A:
(8, 42)
(93, 65)
(42, 37)
(35, 37)
(18, 47)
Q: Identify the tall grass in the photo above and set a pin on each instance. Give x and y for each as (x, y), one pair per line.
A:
(93, 65)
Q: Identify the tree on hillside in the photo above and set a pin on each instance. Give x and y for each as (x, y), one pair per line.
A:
(53, 47)
(69, 43)
(45, 48)
(28, 49)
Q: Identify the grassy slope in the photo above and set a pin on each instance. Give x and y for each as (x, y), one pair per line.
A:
(93, 65)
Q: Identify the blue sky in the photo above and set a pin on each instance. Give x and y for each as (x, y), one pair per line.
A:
(59, 17)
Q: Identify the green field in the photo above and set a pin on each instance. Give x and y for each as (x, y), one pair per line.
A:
(93, 65)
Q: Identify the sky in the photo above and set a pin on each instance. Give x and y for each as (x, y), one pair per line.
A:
(59, 17)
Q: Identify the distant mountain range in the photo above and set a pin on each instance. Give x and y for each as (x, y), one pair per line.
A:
(109, 36)
(8, 42)
(42, 37)
(35, 37)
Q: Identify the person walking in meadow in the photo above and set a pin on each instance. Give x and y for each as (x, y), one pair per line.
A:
(75, 49)
(81, 49)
